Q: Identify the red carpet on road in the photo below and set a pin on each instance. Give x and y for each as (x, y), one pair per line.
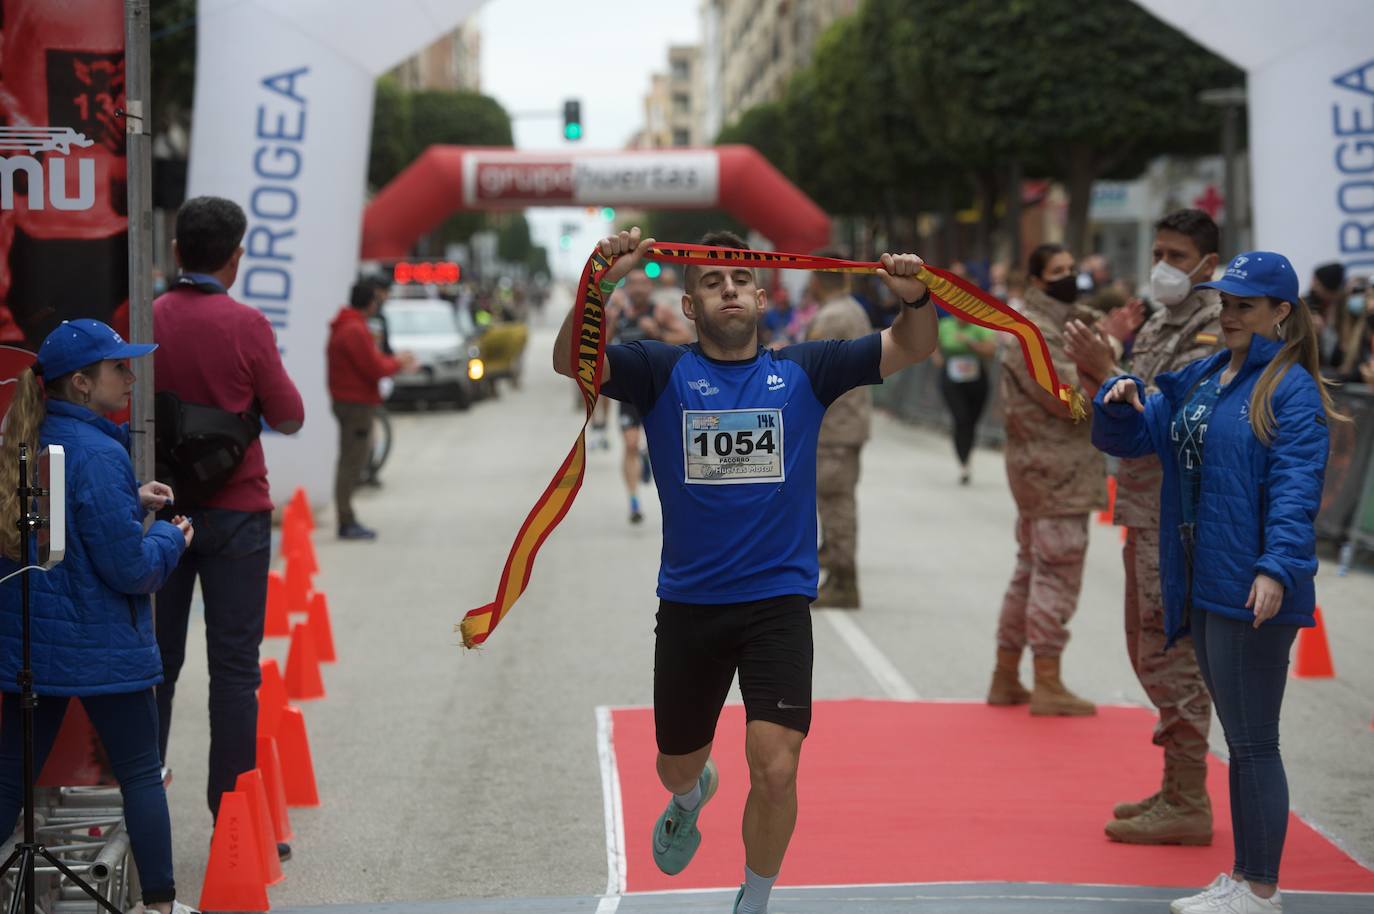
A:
(912, 792)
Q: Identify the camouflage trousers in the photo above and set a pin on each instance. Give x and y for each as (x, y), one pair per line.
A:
(837, 476)
(1171, 678)
(1043, 593)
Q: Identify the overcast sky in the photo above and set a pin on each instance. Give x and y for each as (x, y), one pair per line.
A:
(537, 53)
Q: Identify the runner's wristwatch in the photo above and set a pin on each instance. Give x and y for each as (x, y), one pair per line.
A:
(919, 303)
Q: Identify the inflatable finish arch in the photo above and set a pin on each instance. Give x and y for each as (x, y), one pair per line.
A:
(447, 179)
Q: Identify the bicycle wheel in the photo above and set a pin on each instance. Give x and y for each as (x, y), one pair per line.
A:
(380, 444)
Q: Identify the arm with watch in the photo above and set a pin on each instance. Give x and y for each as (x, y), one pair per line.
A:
(915, 333)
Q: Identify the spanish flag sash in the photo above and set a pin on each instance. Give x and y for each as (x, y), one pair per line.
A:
(589, 350)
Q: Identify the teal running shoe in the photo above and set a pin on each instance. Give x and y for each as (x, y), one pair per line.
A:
(676, 837)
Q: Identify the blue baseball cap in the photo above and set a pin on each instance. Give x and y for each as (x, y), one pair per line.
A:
(76, 344)
(1258, 273)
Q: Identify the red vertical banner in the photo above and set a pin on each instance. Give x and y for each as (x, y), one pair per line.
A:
(63, 200)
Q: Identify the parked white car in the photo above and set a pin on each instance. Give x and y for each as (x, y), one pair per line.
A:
(444, 342)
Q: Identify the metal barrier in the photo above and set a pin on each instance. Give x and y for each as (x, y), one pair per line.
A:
(84, 828)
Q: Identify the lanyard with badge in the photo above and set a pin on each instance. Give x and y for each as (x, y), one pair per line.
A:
(721, 446)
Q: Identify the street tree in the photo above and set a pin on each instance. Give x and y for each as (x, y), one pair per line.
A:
(1084, 91)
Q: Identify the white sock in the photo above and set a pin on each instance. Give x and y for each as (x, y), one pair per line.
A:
(689, 800)
(756, 889)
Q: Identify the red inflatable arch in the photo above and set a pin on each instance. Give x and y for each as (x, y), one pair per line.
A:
(448, 179)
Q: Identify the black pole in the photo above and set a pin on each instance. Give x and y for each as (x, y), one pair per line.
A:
(27, 700)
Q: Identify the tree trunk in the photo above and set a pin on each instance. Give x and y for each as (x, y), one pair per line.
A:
(949, 228)
(1013, 219)
(986, 182)
(1079, 182)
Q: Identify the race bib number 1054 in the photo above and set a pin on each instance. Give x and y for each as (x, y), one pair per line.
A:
(721, 447)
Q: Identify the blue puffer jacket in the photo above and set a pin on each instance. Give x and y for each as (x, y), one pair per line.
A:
(1258, 504)
(92, 619)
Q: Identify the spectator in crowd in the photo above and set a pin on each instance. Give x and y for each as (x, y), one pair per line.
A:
(356, 365)
(1242, 436)
(92, 621)
(773, 327)
(1184, 329)
(843, 433)
(218, 352)
(1057, 479)
(964, 352)
(1354, 324)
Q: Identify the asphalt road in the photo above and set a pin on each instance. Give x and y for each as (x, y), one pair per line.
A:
(448, 774)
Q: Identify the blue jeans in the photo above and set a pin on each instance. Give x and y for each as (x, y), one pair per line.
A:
(230, 554)
(127, 726)
(1246, 670)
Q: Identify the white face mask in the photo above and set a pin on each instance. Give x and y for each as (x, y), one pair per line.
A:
(1169, 285)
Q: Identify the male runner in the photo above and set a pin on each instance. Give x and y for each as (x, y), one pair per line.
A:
(732, 432)
(639, 321)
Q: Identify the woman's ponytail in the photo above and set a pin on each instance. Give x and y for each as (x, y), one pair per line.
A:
(1299, 348)
(21, 423)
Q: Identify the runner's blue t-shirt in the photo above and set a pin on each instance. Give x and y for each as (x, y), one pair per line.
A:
(733, 448)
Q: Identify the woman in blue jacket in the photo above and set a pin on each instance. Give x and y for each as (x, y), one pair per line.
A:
(1242, 437)
(92, 625)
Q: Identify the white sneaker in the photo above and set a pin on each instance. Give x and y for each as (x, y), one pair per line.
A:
(1240, 900)
(1223, 884)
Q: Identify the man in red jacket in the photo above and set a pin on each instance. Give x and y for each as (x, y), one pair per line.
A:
(356, 365)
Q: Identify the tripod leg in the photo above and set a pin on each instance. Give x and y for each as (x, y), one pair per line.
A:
(80, 883)
(23, 879)
(10, 862)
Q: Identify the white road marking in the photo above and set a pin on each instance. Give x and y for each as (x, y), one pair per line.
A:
(889, 678)
(614, 816)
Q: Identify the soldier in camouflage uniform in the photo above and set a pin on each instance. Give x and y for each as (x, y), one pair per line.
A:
(1057, 478)
(1184, 329)
(842, 437)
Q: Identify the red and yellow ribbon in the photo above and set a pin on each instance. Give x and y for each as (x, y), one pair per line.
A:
(589, 350)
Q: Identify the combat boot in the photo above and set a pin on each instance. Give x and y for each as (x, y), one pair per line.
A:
(1006, 686)
(840, 591)
(1138, 808)
(1181, 815)
(1049, 696)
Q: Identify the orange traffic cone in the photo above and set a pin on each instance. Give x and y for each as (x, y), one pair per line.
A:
(321, 630)
(1105, 515)
(303, 680)
(297, 769)
(277, 624)
(250, 784)
(234, 879)
(1314, 655)
(271, 697)
(297, 583)
(305, 546)
(295, 538)
(269, 763)
(301, 505)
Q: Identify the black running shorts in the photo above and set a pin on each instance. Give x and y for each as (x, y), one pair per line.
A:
(697, 651)
(629, 416)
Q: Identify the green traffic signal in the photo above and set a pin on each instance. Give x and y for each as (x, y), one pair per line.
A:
(573, 131)
(608, 213)
(652, 270)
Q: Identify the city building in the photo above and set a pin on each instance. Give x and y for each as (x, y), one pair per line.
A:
(750, 50)
(672, 105)
(451, 63)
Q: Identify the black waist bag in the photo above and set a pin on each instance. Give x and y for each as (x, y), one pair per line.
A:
(198, 448)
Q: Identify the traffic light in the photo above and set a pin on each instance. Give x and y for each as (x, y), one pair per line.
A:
(652, 270)
(608, 213)
(572, 119)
